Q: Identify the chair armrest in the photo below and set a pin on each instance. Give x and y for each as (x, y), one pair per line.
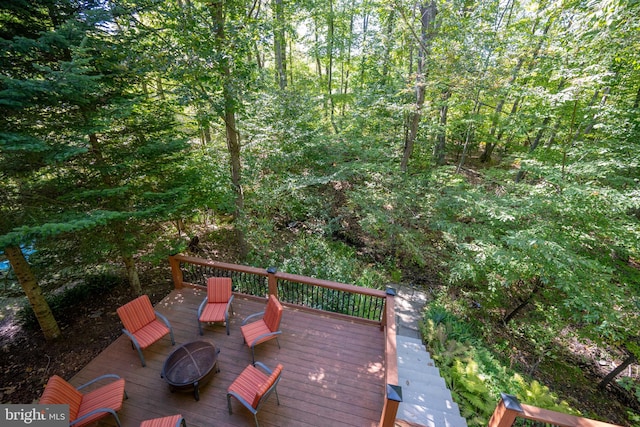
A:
(260, 337)
(229, 302)
(164, 319)
(252, 316)
(101, 377)
(201, 307)
(131, 337)
(264, 367)
(244, 402)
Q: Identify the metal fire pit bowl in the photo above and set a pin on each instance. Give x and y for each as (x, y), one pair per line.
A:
(190, 366)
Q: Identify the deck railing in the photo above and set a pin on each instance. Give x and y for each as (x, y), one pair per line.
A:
(355, 302)
(510, 412)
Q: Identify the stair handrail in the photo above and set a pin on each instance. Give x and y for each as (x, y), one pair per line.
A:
(509, 409)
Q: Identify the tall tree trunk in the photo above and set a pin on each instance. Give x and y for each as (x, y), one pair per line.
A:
(329, 70)
(279, 44)
(29, 284)
(233, 139)
(587, 130)
(495, 140)
(363, 58)
(427, 32)
(386, 63)
(132, 274)
(346, 64)
(545, 124)
(316, 51)
(441, 139)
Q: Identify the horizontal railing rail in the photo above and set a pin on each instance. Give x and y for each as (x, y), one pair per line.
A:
(325, 295)
(371, 305)
(510, 412)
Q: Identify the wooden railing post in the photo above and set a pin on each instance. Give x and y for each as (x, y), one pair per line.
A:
(393, 393)
(506, 412)
(272, 281)
(176, 273)
(393, 397)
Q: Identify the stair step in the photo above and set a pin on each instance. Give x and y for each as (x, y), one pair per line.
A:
(415, 379)
(409, 344)
(431, 398)
(426, 400)
(429, 418)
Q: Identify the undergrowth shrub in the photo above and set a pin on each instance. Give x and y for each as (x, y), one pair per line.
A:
(66, 301)
(474, 376)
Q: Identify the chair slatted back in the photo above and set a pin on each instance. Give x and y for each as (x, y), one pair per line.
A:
(137, 313)
(218, 289)
(60, 392)
(263, 390)
(273, 313)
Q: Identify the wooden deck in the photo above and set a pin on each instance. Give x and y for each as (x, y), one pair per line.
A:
(333, 370)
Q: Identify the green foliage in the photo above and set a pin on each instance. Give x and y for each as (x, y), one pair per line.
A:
(510, 236)
(473, 374)
(308, 255)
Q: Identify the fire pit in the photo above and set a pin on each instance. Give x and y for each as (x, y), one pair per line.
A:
(190, 366)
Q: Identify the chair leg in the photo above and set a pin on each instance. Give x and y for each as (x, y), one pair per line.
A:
(141, 355)
(117, 419)
(229, 403)
(255, 417)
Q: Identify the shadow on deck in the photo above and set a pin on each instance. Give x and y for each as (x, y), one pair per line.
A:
(333, 369)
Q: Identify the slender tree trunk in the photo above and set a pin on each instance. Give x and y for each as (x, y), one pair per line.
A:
(469, 132)
(365, 29)
(614, 373)
(279, 46)
(32, 289)
(428, 16)
(587, 130)
(495, 140)
(346, 64)
(441, 139)
(317, 51)
(233, 139)
(386, 63)
(537, 288)
(329, 70)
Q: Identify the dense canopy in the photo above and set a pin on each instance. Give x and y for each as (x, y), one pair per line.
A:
(491, 145)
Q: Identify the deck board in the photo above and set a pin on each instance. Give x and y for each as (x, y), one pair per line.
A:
(333, 370)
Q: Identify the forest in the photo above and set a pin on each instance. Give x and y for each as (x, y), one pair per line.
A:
(486, 152)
